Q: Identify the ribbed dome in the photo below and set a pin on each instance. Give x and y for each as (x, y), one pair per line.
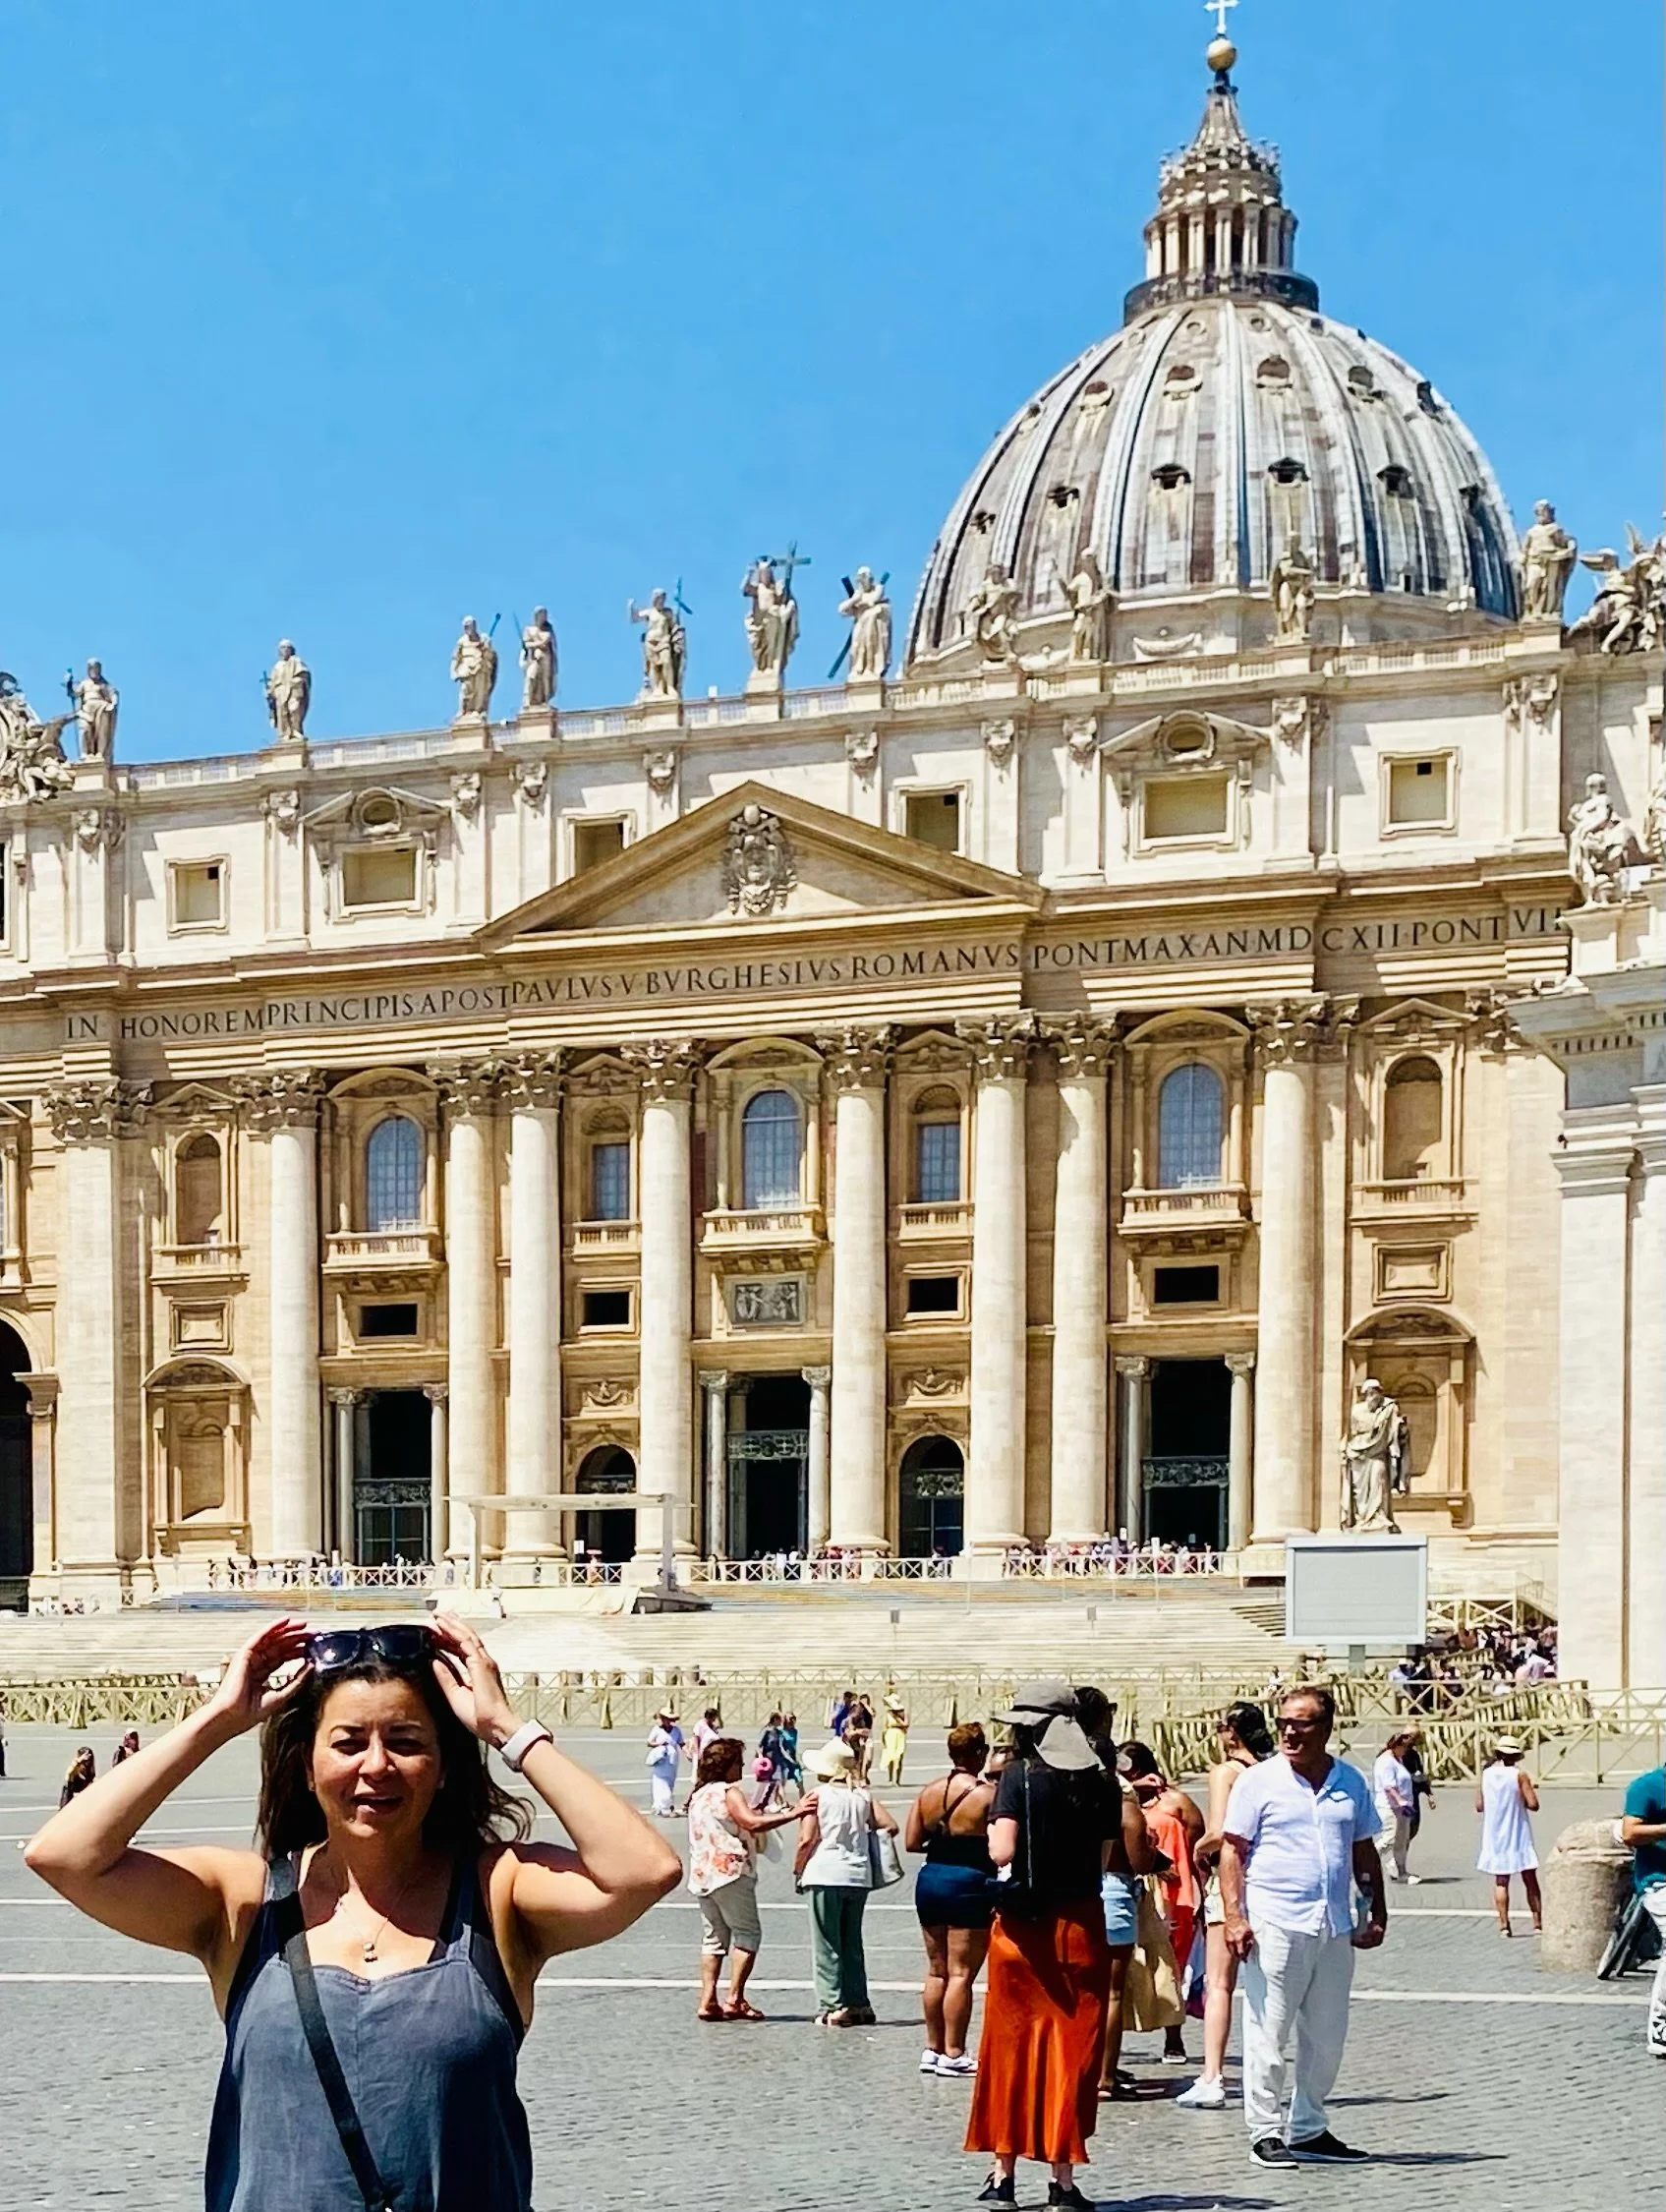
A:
(1225, 417)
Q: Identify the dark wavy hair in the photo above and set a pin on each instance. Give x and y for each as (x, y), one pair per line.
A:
(470, 1809)
(1248, 1723)
(720, 1755)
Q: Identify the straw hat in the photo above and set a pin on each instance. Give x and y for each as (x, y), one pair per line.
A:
(1507, 1747)
(833, 1762)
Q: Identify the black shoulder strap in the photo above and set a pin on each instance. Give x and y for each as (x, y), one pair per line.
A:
(292, 1934)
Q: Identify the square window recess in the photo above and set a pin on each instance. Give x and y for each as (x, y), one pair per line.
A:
(933, 1293)
(934, 818)
(1185, 1286)
(606, 1309)
(387, 1321)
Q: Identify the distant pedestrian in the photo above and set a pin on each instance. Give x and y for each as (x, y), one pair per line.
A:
(83, 1774)
(1244, 1741)
(792, 1769)
(894, 1740)
(722, 1874)
(858, 1732)
(126, 1748)
(1395, 1795)
(1299, 1838)
(954, 1895)
(1423, 1790)
(1644, 1827)
(665, 1749)
(834, 1865)
(1504, 1799)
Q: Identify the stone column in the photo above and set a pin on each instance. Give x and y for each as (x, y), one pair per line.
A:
(1135, 1372)
(285, 1105)
(664, 1321)
(1080, 1355)
(995, 1473)
(440, 1479)
(1240, 1366)
(819, 1514)
(1647, 1640)
(532, 1087)
(89, 1119)
(470, 1091)
(715, 1383)
(855, 1516)
(42, 1388)
(344, 1407)
(1287, 1036)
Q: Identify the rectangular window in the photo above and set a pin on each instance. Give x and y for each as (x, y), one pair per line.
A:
(197, 893)
(1185, 1286)
(596, 841)
(934, 818)
(933, 1293)
(610, 1182)
(606, 1310)
(376, 875)
(937, 1177)
(1419, 794)
(387, 1321)
(1185, 806)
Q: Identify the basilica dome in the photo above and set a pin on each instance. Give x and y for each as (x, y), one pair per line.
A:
(1225, 419)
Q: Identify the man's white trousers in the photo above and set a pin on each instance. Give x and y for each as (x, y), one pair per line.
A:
(1295, 1987)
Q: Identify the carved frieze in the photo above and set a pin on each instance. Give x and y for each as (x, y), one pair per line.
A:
(765, 1302)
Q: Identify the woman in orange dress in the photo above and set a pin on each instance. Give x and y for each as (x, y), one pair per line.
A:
(1177, 1829)
(1056, 1810)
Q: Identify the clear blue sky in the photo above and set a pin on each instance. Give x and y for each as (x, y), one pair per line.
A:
(340, 322)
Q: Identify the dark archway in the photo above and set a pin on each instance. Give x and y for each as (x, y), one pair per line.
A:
(391, 1493)
(16, 1476)
(1185, 1476)
(932, 1487)
(609, 1537)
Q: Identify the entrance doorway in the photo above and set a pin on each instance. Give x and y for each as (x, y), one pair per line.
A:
(16, 1481)
(391, 1485)
(932, 1499)
(609, 1537)
(768, 1468)
(1185, 1475)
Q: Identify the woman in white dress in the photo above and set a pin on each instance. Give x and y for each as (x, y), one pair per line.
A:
(1505, 1800)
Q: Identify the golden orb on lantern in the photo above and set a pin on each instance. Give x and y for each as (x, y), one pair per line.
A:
(1220, 55)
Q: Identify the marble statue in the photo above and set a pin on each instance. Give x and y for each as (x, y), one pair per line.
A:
(289, 692)
(868, 607)
(1090, 598)
(992, 612)
(31, 753)
(1600, 845)
(665, 647)
(1293, 591)
(1547, 563)
(96, 700)
(1629, 612)
(1654, 820)
(539, 663)
(473, 670)
(771, 618)
(1376, 1456)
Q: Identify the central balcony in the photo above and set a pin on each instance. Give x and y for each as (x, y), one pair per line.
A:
(1205, 1206)
(592, 1239)
(383, 1260)
(187, 1264)
(737, 1230)
(923, 1223)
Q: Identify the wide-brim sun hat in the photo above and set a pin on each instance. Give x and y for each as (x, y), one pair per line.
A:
(1507, 1747)
(832, 1761)
(1048, 1709)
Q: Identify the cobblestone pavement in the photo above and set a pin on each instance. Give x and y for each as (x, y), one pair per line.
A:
(1473, 2078)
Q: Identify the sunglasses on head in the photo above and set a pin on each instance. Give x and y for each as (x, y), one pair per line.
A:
(408, 1644)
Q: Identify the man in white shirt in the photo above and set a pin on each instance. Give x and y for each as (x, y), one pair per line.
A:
(1299, 1837)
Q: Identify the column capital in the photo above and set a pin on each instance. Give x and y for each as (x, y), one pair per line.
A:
(856, 1058)
(280, 1099)
(1240, 1362)
(1491, 1024)
(437, 1393)
(665, 1067)
(42, 1388)
(341, 1396)
(1291, 1032)
(468, 1086)
(1084, 1048)
(97, 1110)
(532, 1080)
(1135, 1364)
(1000, 1045)
(818, 1378)
(712, 1378)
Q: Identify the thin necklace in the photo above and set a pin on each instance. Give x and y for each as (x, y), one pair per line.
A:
(368, 1944)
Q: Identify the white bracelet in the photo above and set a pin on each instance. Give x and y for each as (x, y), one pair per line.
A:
(513, 1749)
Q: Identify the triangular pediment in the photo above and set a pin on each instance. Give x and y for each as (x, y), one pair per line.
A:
(751, 857)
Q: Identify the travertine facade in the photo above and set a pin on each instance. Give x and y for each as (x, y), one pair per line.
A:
(1020, 1098)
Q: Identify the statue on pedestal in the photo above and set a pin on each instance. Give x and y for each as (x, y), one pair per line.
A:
(1375, 1457)
(993, 614)
(1090, 598)
(1601, 845)
(868, 605)
(664, 646)
(537, 660)
(95, 701)
(1547, 563)
(473, 670)
(32, 752)
(1294, 595)
(1629, 612)
(772, 619)
(289, 693)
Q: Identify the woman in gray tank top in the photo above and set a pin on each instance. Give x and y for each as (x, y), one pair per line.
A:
(394, 1915)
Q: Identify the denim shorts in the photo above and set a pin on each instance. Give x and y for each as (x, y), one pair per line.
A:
(1121, 1899)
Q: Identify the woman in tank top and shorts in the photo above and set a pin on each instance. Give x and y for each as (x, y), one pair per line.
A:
(374, 1960)
(954, 1895)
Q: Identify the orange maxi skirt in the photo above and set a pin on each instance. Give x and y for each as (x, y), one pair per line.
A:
(1046, 1996)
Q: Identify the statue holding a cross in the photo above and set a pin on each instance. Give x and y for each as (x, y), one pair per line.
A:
(771, 618)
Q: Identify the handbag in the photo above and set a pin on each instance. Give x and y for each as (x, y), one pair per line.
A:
(291, 1928)
(1017, 1899)
(885, 1860)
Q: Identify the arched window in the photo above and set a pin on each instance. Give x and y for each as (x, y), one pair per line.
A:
(197, 1192)
(1411, 1121)
(1188, 1127)
(393, 1175)
(932, 1496)
(771, 1149)
(936, 1148)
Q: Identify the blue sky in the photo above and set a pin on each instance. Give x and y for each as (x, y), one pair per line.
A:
(342, 321)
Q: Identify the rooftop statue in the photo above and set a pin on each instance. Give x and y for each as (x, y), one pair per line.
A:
(95, 700)
(1601, 845)
(1375, 1460)
(1090, 599)
(868, 607)
(1547, 563)
(538, 660)
(772, 619)
(289, 693)
(31, 753)
(473, 670)
(992, 614)
(1629, 612)
(664, 646)
(1294, 595)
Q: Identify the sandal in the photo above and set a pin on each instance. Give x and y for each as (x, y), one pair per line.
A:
(711, 2013)
(740, 2010)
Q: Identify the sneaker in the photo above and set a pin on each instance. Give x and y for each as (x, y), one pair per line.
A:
(1174, 2059)
(1071, 2198)
(1414, 1881)
(999, 2190)
(1204, 2095)
(1271, 2150)
(929, 2061)
(959, 2069)
(1326, 2150)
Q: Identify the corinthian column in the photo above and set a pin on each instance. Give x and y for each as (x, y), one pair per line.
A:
(995, 1474)
(664, 1321)
(469, 1090)
(1081, 1423)
(285, 1105)
(854, 1504)
(532, 1087)
(1287, 1037)
(88, 1120)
